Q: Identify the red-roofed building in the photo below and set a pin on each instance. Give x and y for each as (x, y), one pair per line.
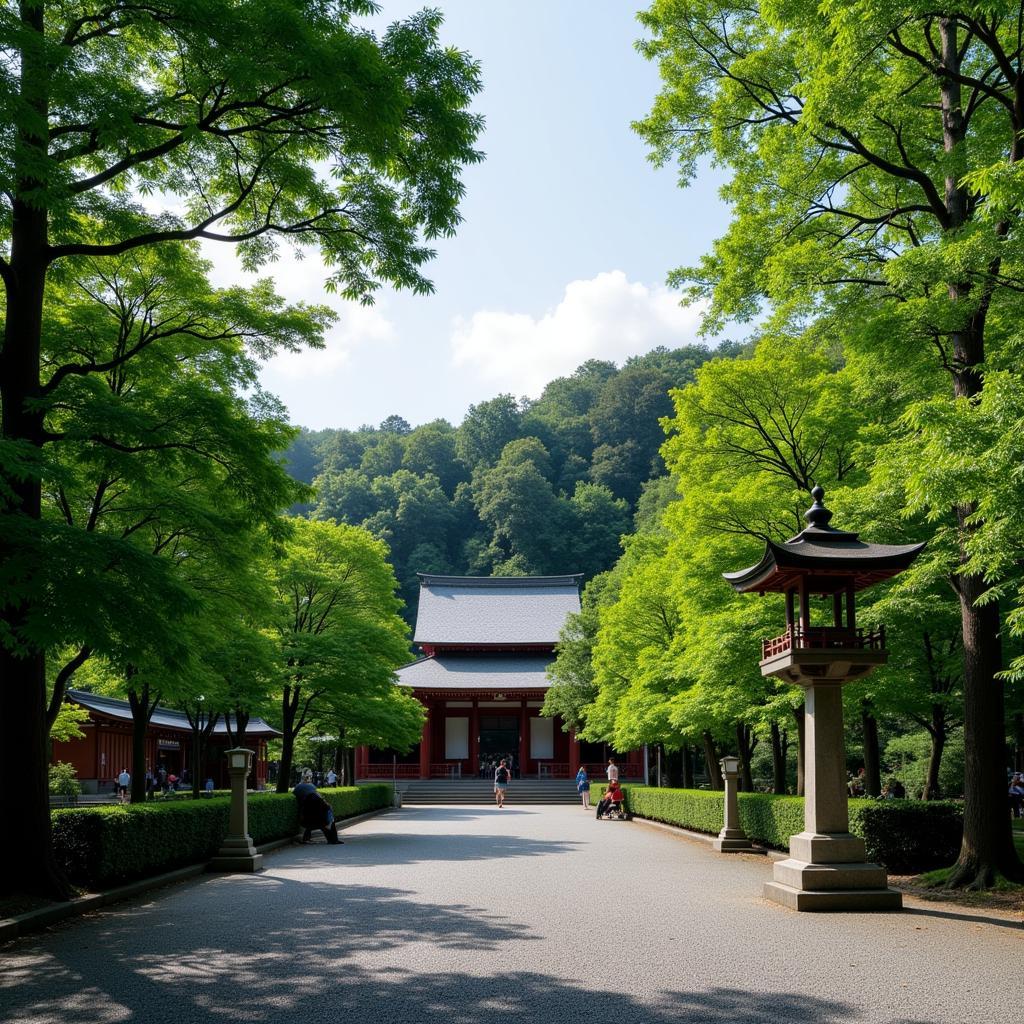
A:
(106, 747)
(487, 643)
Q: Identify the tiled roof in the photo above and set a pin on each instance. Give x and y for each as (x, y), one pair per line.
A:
(496, 610)
(499, 672)
(163, 718)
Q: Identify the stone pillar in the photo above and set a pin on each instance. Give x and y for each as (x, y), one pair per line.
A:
(827, 867)
(237, 852)
(732, 838)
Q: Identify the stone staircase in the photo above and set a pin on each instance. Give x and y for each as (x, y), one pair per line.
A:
(481, 791)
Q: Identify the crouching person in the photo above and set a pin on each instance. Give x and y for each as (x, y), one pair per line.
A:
(315, 811)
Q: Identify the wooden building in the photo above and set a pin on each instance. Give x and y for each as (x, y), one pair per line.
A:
(106, 747)
(487, 643)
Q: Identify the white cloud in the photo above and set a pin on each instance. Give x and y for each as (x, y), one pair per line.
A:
(606, 317)
(299, 276)
(356, 326)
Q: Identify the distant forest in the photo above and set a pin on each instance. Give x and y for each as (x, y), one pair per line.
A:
(520, 486)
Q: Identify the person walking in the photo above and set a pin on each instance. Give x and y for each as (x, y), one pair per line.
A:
(501, 777)
(124, 781)
(583, 787)
(613, 770)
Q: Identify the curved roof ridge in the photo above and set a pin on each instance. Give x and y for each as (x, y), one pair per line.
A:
(430, 579)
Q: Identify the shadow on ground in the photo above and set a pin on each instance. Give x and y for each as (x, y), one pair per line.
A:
(448, 812)
(382, 848)
(143, 969)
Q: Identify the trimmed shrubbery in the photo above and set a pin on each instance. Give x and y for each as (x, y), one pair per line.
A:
(104, 845)
(904, 835)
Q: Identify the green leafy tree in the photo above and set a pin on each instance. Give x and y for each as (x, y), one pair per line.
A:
(871, 146)
(259, 124)
(337, 625)
(486, 429)
(526, 516)
(430, 449)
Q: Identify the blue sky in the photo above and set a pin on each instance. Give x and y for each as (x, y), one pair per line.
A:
(569, 232)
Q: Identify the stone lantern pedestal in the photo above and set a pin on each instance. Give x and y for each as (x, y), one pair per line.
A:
(237, 852)
(827, 868)
(732, 838)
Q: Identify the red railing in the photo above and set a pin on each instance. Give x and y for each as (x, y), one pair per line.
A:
(599, 772)
(387, 771)
(824, 638)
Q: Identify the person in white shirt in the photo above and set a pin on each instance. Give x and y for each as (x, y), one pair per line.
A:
(124, 780)
(332, 777)
(613, 770)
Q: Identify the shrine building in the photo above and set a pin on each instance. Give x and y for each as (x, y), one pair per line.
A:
(486, 646)
(106, 747)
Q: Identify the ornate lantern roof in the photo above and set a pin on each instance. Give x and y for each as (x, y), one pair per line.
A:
(824, 557)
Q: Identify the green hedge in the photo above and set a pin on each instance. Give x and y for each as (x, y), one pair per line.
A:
(904, 835)
(105, 845)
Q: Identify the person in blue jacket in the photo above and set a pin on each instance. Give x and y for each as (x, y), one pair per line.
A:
(583, 787)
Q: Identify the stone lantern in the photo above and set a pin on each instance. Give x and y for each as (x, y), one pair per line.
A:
(732, 838)
(237, 852)
(827, 868)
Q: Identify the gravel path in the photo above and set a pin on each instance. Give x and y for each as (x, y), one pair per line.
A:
(469, 915)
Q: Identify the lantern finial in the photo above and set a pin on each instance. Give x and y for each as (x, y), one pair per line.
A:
(817, 516)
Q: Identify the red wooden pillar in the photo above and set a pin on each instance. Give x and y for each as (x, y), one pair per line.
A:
(523, 747)
(474, 740)
(425, 745)
(574, 753)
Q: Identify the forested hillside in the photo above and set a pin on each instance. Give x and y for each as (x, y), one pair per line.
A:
(520, 486)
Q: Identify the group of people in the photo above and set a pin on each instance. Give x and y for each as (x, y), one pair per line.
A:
(1016, 794)
(161, 779)
(318, 778)
(490, 766)
(613, 796)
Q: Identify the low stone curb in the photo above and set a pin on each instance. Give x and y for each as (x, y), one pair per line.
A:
(35, 920)
(705, 838)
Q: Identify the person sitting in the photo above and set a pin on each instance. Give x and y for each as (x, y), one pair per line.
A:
(612, 799)
(315, 811)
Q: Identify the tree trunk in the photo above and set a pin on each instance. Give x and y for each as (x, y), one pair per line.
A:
(142, 711)
(1018, 742)
(987, 847)
(687, 779)
(241, 724)
(746, 742)
(671, 766)
(798, 715)
(60, 683)
(932, 789)
(988, 842)
(778, 760)
(289, 709)
(872, 760)
(711, 760)
(28, 861)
